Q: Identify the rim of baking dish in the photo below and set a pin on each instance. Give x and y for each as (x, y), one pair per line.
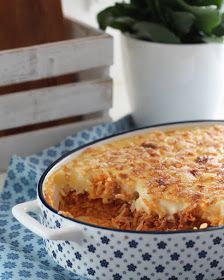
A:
(41, 181)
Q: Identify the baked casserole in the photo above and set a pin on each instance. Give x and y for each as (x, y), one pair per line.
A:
(158, 180)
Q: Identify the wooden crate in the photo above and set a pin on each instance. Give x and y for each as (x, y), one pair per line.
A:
(31, 120)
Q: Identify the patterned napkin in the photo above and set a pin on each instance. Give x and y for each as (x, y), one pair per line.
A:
(22, 254)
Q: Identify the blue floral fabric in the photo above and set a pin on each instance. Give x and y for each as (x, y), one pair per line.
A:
(22, 254)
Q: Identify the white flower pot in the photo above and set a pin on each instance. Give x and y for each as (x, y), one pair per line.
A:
(168, 83)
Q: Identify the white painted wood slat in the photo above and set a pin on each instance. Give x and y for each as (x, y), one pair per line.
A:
(55, 59)
(35, 141)
(51, 103)
(2, 179)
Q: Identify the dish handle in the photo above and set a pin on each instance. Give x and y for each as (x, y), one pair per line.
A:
(21, 213)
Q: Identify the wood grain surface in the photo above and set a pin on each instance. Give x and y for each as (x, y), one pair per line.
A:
(54, 103)
(30, 22)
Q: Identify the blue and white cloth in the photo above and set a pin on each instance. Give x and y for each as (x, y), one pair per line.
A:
(22, 254)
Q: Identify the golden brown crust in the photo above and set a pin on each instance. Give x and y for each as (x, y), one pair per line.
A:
(164, 173)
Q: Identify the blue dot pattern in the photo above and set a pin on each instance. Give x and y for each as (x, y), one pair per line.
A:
(104, 254)
(22, 254)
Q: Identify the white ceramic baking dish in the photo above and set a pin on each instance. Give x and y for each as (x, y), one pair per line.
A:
(101, 253)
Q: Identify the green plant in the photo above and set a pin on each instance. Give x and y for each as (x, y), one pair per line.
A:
(167, 21)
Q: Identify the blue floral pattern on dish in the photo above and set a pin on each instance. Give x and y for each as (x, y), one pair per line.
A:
(108, 254)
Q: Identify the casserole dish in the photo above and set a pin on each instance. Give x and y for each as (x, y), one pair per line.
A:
(103, 253)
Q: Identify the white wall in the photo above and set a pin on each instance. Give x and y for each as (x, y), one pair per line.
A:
(86, 10)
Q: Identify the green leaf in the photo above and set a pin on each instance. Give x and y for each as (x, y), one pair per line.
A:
(214, 39)
(155, 32)
(181, 22)
(168, 21)
(106, 17)
(219, 31)
(154, 10)
(123, 23)
(218, 3)
(207, 17)
(142, 4)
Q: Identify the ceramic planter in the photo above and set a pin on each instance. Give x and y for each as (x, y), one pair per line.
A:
(168, 82)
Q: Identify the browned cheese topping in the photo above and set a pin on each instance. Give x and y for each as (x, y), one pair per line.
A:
(153, 180)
